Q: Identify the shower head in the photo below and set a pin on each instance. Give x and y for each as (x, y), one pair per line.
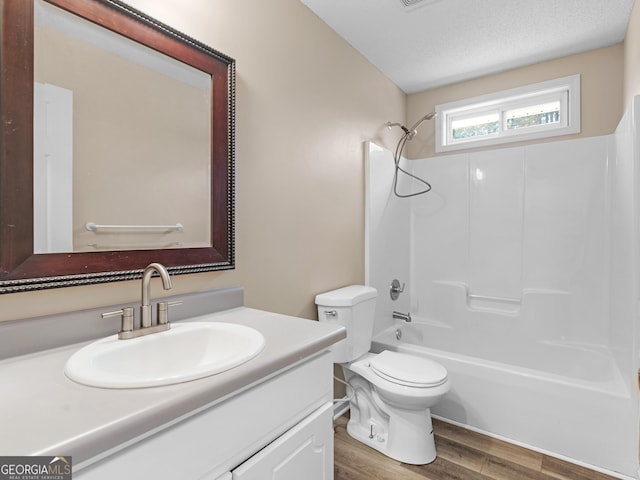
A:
(408, 135)
(428, 116)
(411, 132)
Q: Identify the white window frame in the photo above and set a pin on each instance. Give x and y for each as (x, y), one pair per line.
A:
(565, 89)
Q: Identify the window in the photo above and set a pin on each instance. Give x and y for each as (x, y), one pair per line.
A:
(535, 111)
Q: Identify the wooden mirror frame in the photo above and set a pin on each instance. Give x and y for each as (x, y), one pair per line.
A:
(20, 268)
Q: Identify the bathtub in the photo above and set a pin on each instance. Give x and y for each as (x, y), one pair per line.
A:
(562, 399)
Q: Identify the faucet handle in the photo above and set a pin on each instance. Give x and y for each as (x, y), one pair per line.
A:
(395, 289)
(163, 311)
(126, 313)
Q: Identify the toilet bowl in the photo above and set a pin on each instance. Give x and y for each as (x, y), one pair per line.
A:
(391, 393)
(392, 415)
(403, 380)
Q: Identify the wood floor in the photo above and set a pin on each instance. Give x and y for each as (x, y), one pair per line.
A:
(462, 455)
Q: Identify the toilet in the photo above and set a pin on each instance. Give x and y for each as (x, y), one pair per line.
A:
(391, 393)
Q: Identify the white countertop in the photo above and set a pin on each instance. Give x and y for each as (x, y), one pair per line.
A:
(42, 412)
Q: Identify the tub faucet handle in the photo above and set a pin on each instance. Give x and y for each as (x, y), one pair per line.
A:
(395, 289)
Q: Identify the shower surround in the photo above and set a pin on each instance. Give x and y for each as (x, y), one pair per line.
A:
(521, 272)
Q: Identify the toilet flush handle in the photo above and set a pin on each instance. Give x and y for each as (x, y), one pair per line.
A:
(331, 313)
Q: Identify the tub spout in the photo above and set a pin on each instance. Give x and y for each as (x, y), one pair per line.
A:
(402, 316)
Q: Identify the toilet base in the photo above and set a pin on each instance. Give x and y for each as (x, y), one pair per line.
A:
(406, 436)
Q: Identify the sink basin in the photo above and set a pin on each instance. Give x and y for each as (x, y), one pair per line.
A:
(187, 351)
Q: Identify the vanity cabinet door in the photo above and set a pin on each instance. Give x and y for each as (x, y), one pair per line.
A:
(304, 452)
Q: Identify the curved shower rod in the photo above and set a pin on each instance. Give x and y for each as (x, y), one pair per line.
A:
(409, 133)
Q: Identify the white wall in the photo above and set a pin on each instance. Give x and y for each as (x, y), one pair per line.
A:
(515, 230)
(387, 234)
(624, 263)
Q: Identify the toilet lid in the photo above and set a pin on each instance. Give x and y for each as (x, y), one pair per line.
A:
(409, 370)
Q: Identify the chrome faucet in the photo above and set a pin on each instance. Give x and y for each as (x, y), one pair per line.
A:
(145, 306)
(127, 329)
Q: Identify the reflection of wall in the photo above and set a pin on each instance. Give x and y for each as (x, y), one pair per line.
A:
(126, 170)
(632, 56)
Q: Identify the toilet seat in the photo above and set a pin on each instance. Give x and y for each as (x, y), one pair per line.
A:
(408, 370)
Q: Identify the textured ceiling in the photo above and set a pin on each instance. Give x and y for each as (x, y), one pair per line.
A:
(437, 42)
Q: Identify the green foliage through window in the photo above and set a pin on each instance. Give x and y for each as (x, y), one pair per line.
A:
(533, 120)
(480, 130)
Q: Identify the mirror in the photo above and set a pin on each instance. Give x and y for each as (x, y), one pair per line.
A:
(170, 199)
(106, 174)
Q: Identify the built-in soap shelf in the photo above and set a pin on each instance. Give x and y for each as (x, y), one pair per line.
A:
(491, 303)
(458, 294)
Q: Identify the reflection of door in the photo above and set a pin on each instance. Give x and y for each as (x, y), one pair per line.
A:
(52, 169)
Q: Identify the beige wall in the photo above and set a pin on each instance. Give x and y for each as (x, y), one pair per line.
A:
(305, 103)
(601, 91)
(632, 56)
(125, 171)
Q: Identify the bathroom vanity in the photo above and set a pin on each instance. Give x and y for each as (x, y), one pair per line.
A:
(270, 417)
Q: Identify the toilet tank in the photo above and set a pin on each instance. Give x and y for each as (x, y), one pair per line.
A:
(352, 307)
